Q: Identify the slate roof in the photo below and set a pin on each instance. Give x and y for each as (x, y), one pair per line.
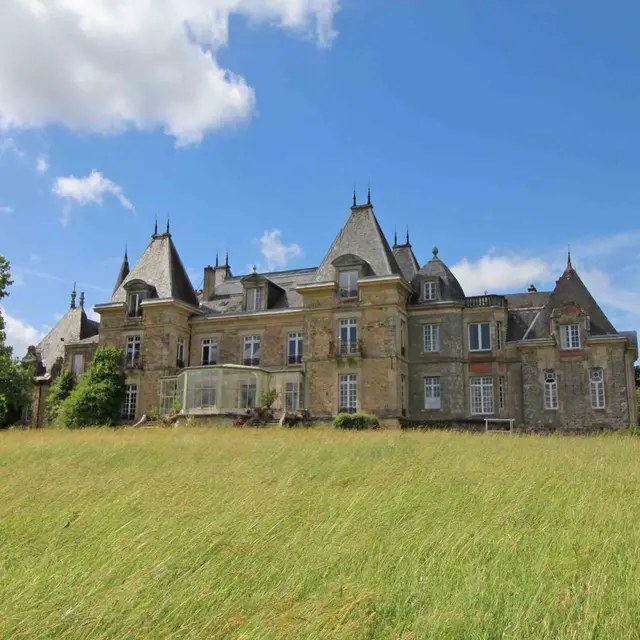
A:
(160, 267)
(525, 315)
(123, 273)
(361, 236)
(229, 295)
(450, 288)
(406, 260)
(72, 327)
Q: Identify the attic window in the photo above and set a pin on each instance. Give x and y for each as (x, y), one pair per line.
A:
(255, 299)
(348, 284)
(570, 336)
(429, 290)
(134, 310)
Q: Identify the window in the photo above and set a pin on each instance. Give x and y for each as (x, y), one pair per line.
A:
(348, 285)
(596, 377)
(550, 389)
(429, 290)
(501, 394)
(403, 337)
(481, 395)
(570, 336)
(432, 393)
(204, 391)
(180, 353)
(168, 396)
(292, 396)
(252, 351)
(348, 394)
(130, 400)
(255, 297)
(247, 399)
(135, 300)
(403, 394)
(209, 351)
(132, 352)
(295, 348)
(499, 336)
(431, 338)
(77, 366)
(348, 336)
(480, 337)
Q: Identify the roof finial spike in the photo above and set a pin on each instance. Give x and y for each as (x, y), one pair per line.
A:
(354, 195)
(369, 194)
(407, 234)
(155, 228)
(167, 224)
(395, 236)
(226, 260)
(126, 257)
(73, 297)
(216, 258)
(569, 265)
(435, 252)
(82, 299)
(254, 268)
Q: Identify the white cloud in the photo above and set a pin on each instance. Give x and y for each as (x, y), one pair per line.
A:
(6, 210)
(8, 144)
(20, 335)
(276, 253)
(42, 163)
(497, 274)
(88, 190)
(93, 315)
(106, 66)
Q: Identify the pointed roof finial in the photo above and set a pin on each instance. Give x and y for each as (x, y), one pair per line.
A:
(407, 234)
(254, 268)
(435, 252)
(82, 299)
(226, 260)
(569, 265)
(354, 195)
(369, 194)
(126, 257)
(395, 236)
(155, 228)
(216, 258)
(167, 224)
(73, 297)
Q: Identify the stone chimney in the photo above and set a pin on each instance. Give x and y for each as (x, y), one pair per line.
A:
(532, 288)
(208, 288)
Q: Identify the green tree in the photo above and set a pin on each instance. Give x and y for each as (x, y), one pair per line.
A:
(98, 398)
(60, 390)
(15, 381)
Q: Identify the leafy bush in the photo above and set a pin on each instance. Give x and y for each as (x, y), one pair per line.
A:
(268, 397)
(60, 390)
(98, 398)
(358, 421)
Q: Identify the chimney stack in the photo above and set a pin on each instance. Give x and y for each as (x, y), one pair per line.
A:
(532, 288)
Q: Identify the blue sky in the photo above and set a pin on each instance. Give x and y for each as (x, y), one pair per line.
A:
(499, 131)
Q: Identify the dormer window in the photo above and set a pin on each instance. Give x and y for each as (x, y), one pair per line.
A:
(134, 310)
(429, 291)
(255, 299)
(348, 284)
(570, 336)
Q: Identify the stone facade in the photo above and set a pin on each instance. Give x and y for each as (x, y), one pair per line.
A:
(378, 334)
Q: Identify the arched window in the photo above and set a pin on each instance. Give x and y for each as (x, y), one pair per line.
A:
(550, 389)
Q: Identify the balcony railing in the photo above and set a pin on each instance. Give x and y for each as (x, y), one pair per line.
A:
(295, 359)
(345, 348)
(133, 362)
(348, 293)
(251, 362)
(134, 314)
(486, 301)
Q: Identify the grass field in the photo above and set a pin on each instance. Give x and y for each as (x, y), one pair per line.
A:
(223, 533)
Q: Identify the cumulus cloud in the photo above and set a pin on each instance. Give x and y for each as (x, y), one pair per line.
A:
(106, 66)
(276, 253)
(88, 190)
(5, 210)
(497, 274)
(20, 335)
(42, 164)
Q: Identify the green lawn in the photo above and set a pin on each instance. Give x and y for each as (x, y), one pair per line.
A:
(233, 533)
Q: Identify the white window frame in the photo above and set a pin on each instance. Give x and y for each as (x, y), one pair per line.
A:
(247, 391)
(255, 299)
(205, 392)
(168, 395)
(403, 337)
(570, 337)
(76, 369)
(430, 291)
(348, 335)
(133, 348)
(295, 340)
(130, 401)
(133, 307)
(596, 386)
(180, 346)
(292, 396)
(501, 392)
(211, 345)
(348, 283)
(431, 338)
(251, 350)
(481, 345)
(432, 394)
(348, 393)
(550, 389)
(481, 392)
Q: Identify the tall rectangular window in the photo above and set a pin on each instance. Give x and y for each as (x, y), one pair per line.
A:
(77, 366)
(429, 290)
(132, 352)
(251, 351)
(403, 394)
(480, 336)
(481, 395)
(432, 393)
(348, 284)
(209, 351)
(499, 336)
(348, 394)
(431, 338)
(403, 337)
(570, 336)
(247, 399)
(180, 353)
(168, 396)
(292, 396)
(130, 400)
(295, 348)
(134, 309)
(550, 389)
(203, 392)
(255, 298)
(501, 393)
(596, 377)
(348, 336)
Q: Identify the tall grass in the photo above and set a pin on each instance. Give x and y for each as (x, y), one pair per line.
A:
(304, 534)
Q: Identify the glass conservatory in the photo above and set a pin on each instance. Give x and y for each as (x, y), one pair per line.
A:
(229, 389)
